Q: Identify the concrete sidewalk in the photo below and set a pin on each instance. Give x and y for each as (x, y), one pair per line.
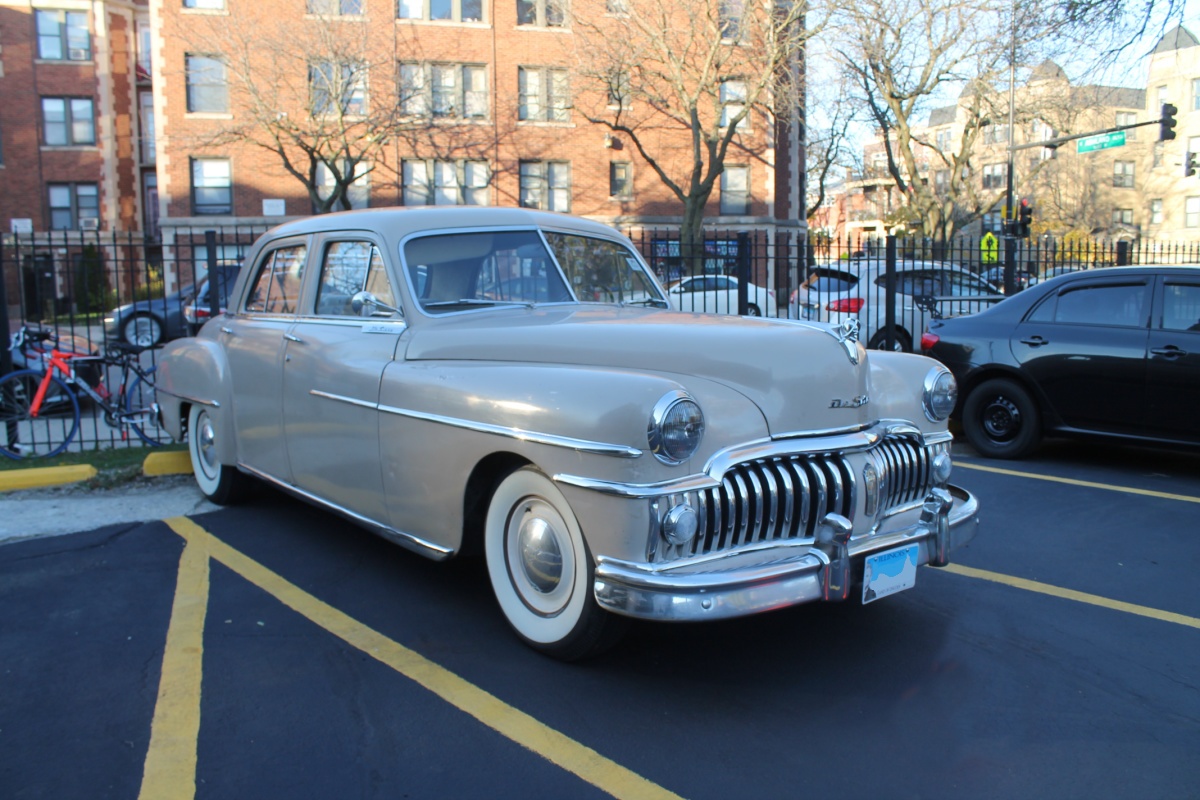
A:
(49, 501)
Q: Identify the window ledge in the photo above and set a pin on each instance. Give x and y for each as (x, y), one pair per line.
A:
(446, 23)
(69, 148)
(206, 12)
(544, 123)
(42, 62)
(207, 115)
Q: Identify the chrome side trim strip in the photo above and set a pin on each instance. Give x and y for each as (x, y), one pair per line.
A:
(406, 540)
(189, 398)
(343, 399)
(580, 445)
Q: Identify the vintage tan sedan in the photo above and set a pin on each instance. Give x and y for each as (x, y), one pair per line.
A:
(514, 383)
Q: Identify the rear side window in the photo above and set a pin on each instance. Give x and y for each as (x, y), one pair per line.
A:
(1124, 305)
(276, 288)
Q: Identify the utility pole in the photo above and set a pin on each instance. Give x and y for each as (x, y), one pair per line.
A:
(1007, 227)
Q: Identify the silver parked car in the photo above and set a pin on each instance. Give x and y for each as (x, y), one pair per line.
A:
(447, 378)
(925, 290)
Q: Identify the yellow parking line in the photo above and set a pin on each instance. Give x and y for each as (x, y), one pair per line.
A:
(1071, 594)
(1071, 481)
(170, 768)
(518, 726)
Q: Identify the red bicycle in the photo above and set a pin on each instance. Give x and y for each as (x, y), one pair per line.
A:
(40, 410)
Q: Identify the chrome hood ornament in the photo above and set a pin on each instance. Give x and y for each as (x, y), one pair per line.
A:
(847, 335)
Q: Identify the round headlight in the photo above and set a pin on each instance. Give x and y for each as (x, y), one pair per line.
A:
(941, 393)
(676, 428)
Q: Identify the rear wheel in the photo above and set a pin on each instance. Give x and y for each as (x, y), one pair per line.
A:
(22, 435)
(541, 570)
(143, 330)
(220, 483)
(753, 311)
(1001, 419)
(901, 342)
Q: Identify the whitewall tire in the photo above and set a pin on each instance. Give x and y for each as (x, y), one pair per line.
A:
(220, 483)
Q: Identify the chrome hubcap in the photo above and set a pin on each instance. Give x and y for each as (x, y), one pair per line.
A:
(540, 558)
(205, 438)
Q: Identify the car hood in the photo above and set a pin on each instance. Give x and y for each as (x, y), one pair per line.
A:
(800, 375)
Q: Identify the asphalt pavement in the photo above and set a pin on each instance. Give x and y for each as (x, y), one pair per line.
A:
(49, 501)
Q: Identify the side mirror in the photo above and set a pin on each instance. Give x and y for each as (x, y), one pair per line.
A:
(365, 304)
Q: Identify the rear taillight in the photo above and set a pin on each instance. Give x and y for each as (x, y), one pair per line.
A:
(928, 340)
(847, 305)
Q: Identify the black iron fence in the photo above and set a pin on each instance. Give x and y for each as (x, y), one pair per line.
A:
(91, 288)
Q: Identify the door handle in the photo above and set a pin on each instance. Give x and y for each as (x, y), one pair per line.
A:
(1170, 351)
(1034, 341)
(292, 338)
(227, 330)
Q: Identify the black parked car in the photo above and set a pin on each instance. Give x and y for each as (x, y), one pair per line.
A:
(198, 309)
(149, 323)
(1109, 353)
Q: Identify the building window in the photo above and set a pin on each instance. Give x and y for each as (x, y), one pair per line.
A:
(335, 8)
(207, 85)
(63, 36)
(1156, 212)
(146, 128)
(542, 13)
(730, 19)
(457, 91)
(358, 192)
(1123, 174)
(212, 4)
(1122, 216)
(620, 180)
(943, 139)
(212, 186)
(1191, 212)
(338, 88)
(1195, 95)
(941, 181)
(733, 102)
(74, 206)
(995, 134)
(546, 185)
(617, 86)
(441, 10)
(445, 183)
(618, 8)
(68, 121)
(1128, 118)
(735, 191)
(544, 94)
(995, 176)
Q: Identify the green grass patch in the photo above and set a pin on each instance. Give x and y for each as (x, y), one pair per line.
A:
(114, 466)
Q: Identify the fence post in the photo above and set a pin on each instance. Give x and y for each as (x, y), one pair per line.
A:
(743, 273)
(214, 296)
(889, 318)
(1122, 254)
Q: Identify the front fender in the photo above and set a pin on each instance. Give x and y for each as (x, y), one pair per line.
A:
(194, 371)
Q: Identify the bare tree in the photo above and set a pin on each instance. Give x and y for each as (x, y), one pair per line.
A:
(720, 72)
(830, 115)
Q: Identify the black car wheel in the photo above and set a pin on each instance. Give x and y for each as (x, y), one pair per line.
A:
(142, 330)
(900, 342)
(1001, 420)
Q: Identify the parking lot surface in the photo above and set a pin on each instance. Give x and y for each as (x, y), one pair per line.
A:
(271, 650)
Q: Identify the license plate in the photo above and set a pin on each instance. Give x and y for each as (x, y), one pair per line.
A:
(889, 572)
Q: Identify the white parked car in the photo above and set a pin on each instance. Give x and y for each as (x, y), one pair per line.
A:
(718, 294)
(925, 290)
(510, 383)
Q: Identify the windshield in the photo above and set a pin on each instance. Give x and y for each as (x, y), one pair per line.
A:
(456, 272)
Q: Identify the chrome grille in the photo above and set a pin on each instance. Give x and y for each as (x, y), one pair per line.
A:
(786, 497)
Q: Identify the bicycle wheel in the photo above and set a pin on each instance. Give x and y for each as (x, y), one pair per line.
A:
(48, 434)
(139, 401)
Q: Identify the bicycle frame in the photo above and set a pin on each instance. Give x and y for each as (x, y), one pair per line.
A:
(61, 361)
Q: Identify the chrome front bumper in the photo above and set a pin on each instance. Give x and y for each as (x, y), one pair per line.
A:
(779, 575)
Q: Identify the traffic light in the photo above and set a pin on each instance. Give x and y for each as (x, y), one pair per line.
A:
(1189, 164)
(1024, 219)
(1166, 124)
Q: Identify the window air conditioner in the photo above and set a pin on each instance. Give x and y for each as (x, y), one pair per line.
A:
(89, 224)
(77, 54)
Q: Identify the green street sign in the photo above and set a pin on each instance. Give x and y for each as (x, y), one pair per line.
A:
(1101, 141)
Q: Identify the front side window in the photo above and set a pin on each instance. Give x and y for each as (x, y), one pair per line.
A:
(207, 86)
(444, 183)
(350, 268)
(73, 206)
(440, 10)
(1123, 174)
(544, 94)
(63, 35)
(1181, 307)
(212, 186)
(68, 121)
(276, 288)
(337, 88)
(542, 13)
(735, 190)
(546, 185)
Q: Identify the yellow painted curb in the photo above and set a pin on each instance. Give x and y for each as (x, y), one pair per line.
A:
(177, 462)
(11, 480)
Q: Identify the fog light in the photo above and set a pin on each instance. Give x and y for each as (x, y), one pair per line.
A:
(942, 464)
(871, 489)
(680, 525)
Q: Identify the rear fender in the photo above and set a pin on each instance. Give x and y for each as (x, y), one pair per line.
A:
(192, 371)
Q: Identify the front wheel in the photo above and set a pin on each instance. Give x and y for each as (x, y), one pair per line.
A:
(541, 570)
(220, 483)
(143, 330)
(23, 435)
(1001, 419)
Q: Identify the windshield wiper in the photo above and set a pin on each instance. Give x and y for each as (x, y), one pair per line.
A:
(647, 302)
(475, 301)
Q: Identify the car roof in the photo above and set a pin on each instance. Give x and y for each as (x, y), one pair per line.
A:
(398, 223)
